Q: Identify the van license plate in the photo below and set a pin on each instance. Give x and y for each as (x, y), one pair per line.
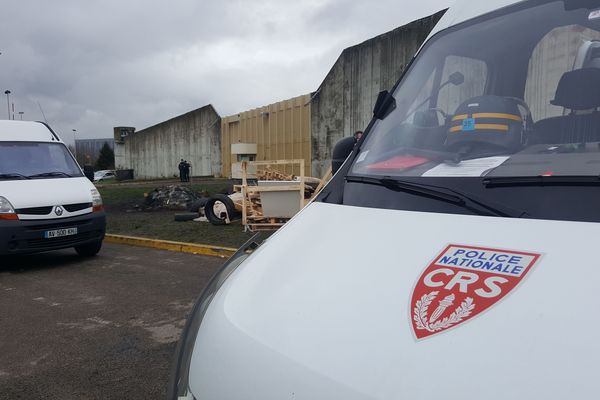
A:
(60, 232)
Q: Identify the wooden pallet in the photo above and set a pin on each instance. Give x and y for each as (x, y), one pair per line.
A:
(253, 216)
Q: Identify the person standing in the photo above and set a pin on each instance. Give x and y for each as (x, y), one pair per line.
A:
(181, 170)
(187, 168)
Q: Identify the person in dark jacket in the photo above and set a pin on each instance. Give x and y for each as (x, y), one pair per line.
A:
(186, 171)
(181, 170)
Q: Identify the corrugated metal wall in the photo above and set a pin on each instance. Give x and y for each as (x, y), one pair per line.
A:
(280, 131)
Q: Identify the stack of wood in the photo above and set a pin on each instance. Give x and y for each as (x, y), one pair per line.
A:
(255, 217)
(269, 174)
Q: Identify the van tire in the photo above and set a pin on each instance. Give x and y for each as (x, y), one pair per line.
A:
(188, 216)
(89, 250)
(209, 210)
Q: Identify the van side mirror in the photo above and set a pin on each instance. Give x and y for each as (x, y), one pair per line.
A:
(385, 104)
(88, 171)
(341, 151)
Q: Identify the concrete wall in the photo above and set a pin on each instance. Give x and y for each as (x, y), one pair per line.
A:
(88, 150)
(155, 152)
(344, 102)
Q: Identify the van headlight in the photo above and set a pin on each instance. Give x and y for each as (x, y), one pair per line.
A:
(97, 204)
(7, 211)
(179, 382)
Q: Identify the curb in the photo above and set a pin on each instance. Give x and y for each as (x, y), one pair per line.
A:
(193, 248)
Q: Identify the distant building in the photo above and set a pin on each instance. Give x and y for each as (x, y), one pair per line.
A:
(88, 150)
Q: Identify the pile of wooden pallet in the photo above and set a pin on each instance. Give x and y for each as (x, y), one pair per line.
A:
(275, 196)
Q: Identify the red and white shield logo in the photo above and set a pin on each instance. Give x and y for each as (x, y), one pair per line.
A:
(462, 282)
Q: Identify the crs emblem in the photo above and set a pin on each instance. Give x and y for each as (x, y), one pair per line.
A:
(462, 282)
(58, 210)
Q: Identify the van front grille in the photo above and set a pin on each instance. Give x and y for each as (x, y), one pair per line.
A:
(48, 209)
(34, 210)
(77, 207)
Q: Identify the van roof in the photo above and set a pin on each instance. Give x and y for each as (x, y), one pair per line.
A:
(464, 10)
(26, 131)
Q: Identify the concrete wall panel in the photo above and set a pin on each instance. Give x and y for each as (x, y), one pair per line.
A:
(155, 152)
(344, 102)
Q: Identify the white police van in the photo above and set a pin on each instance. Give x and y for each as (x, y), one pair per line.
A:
(453, 254)
(46, 203)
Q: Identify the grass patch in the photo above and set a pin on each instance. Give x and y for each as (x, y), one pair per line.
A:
(118, 197)
(161, 225)
(122, 220)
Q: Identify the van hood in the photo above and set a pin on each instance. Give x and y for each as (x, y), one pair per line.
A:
(46, 192)
(326, 310)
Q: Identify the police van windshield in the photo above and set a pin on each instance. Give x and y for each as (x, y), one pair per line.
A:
(514, 93)
(32, 160)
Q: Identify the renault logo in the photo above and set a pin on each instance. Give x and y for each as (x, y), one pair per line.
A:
(58, 210)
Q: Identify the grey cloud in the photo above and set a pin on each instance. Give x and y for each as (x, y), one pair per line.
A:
(93, 65)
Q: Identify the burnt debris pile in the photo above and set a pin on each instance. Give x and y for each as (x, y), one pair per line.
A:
(171, 197)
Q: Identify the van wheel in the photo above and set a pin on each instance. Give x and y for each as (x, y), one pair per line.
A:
(89, 250)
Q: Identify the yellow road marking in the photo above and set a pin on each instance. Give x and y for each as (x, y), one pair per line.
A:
(193, 248)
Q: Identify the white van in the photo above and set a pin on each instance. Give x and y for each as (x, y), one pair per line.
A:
(453, 255)
(46, 203)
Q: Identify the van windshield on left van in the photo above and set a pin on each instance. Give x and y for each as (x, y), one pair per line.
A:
(33, 160)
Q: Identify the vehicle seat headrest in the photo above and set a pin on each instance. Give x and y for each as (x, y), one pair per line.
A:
(578, 89)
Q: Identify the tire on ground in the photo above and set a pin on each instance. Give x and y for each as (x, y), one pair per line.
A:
(188, 216)
(209, 210)
(89, 250)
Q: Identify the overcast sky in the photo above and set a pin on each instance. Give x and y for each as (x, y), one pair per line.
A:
(92, 65)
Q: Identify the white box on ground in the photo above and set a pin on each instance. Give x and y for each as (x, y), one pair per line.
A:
(280, 204)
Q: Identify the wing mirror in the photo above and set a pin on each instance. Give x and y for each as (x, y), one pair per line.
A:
(385, 104)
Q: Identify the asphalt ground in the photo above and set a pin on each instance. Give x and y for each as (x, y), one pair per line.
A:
(99, 328)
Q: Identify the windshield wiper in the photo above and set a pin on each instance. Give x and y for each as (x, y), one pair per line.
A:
(565, 180)
(51, 174)
(13, 175)
(467, 201)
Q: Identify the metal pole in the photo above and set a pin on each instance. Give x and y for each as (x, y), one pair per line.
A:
(21, 114)
(74, 143)
(7, 93)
